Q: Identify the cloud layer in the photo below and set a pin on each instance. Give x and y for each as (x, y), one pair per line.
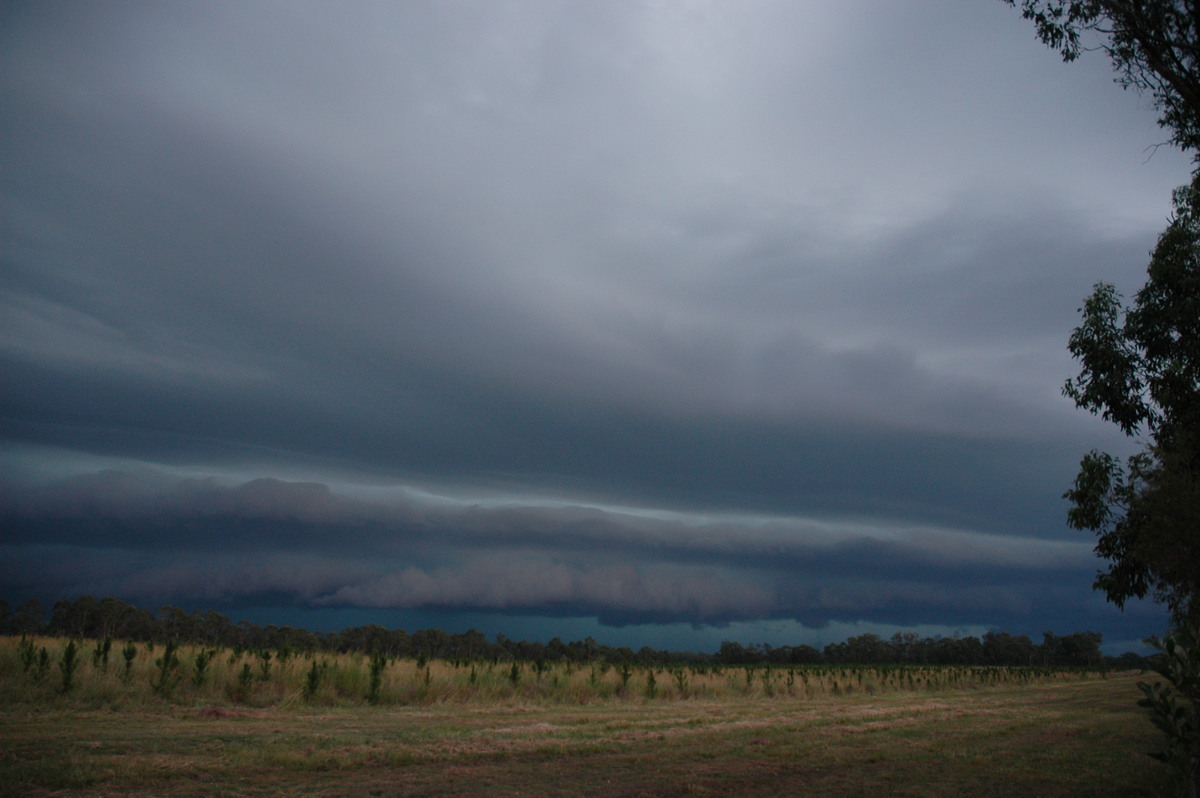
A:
(647, 312)
(157, 536)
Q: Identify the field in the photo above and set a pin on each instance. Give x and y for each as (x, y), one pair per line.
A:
(436, 729)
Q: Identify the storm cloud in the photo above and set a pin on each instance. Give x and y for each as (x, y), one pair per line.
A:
(193, 538)
(650, 313)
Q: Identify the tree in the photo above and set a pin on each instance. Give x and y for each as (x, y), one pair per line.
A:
(1001, 648)
(1079, 650)
(1141, 365)
(1141, 370)
(110, 615)
(28, 618)
(72, 618)
(1154, 46)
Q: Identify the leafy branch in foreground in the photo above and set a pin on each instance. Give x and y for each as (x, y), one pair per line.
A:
(1175, 710)
(1153, 46)
(1141, 371)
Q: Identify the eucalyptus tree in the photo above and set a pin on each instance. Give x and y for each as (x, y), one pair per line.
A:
(1153, 46)
(1141, 363)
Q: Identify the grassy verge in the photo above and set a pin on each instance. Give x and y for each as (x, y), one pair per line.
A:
(1079, 737)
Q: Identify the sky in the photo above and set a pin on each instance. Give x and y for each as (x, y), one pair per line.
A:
(666, 323)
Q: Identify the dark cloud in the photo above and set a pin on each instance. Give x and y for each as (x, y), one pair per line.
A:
(204, 538)
(700, 315)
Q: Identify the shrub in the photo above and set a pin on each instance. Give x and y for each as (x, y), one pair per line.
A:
(203, 658)
(1176, 712)
(129, 653)
(312, 682)
(167, 671)
(100, 654)
(41, 666)
(28, 654)
(245, 677)
(264, 665)
(378, 662)
(681, 681)
(625, 672)
(67, 666)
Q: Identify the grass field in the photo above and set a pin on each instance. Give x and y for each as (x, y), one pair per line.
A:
(1078, 736)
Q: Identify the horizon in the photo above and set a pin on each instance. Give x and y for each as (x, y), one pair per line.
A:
(779, 636)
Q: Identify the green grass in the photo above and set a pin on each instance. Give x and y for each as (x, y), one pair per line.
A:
(1066, 737)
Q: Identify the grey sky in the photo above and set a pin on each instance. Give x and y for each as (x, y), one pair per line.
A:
(651, 313)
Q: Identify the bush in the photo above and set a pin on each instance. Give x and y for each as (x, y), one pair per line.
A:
(1175, 710)
(67, 666)
(129, 653)
(100, 653)
(203, 658)
(167, 674)
(313, 682)
(378, 662)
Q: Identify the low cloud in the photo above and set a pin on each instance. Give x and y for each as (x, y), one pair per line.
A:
(537, 585)
(152, 534)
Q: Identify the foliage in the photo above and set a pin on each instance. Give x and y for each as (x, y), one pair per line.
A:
(41, 668)
(245, 680)
(681, 680)
(200, 665)
(101, 651)
(28, 654)
(651, 684)
(1175, 710)
(264, 665)
(1141, 370)
(67, 666)
(1141, 365)
(1152, 45)
(378, 662)
(28, 618)
(625, 672)
(312, 682)
(128, 653)
(167, 675)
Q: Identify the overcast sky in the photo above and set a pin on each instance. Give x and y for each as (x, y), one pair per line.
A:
(663, 322)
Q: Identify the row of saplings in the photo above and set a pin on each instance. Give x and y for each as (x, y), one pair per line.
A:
(266, 676)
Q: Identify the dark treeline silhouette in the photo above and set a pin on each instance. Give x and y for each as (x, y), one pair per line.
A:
(87, 617)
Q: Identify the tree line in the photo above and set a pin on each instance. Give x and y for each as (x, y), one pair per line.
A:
(107, 618)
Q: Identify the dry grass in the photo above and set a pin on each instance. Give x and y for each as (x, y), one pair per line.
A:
(1078, 737)
(247, 679)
